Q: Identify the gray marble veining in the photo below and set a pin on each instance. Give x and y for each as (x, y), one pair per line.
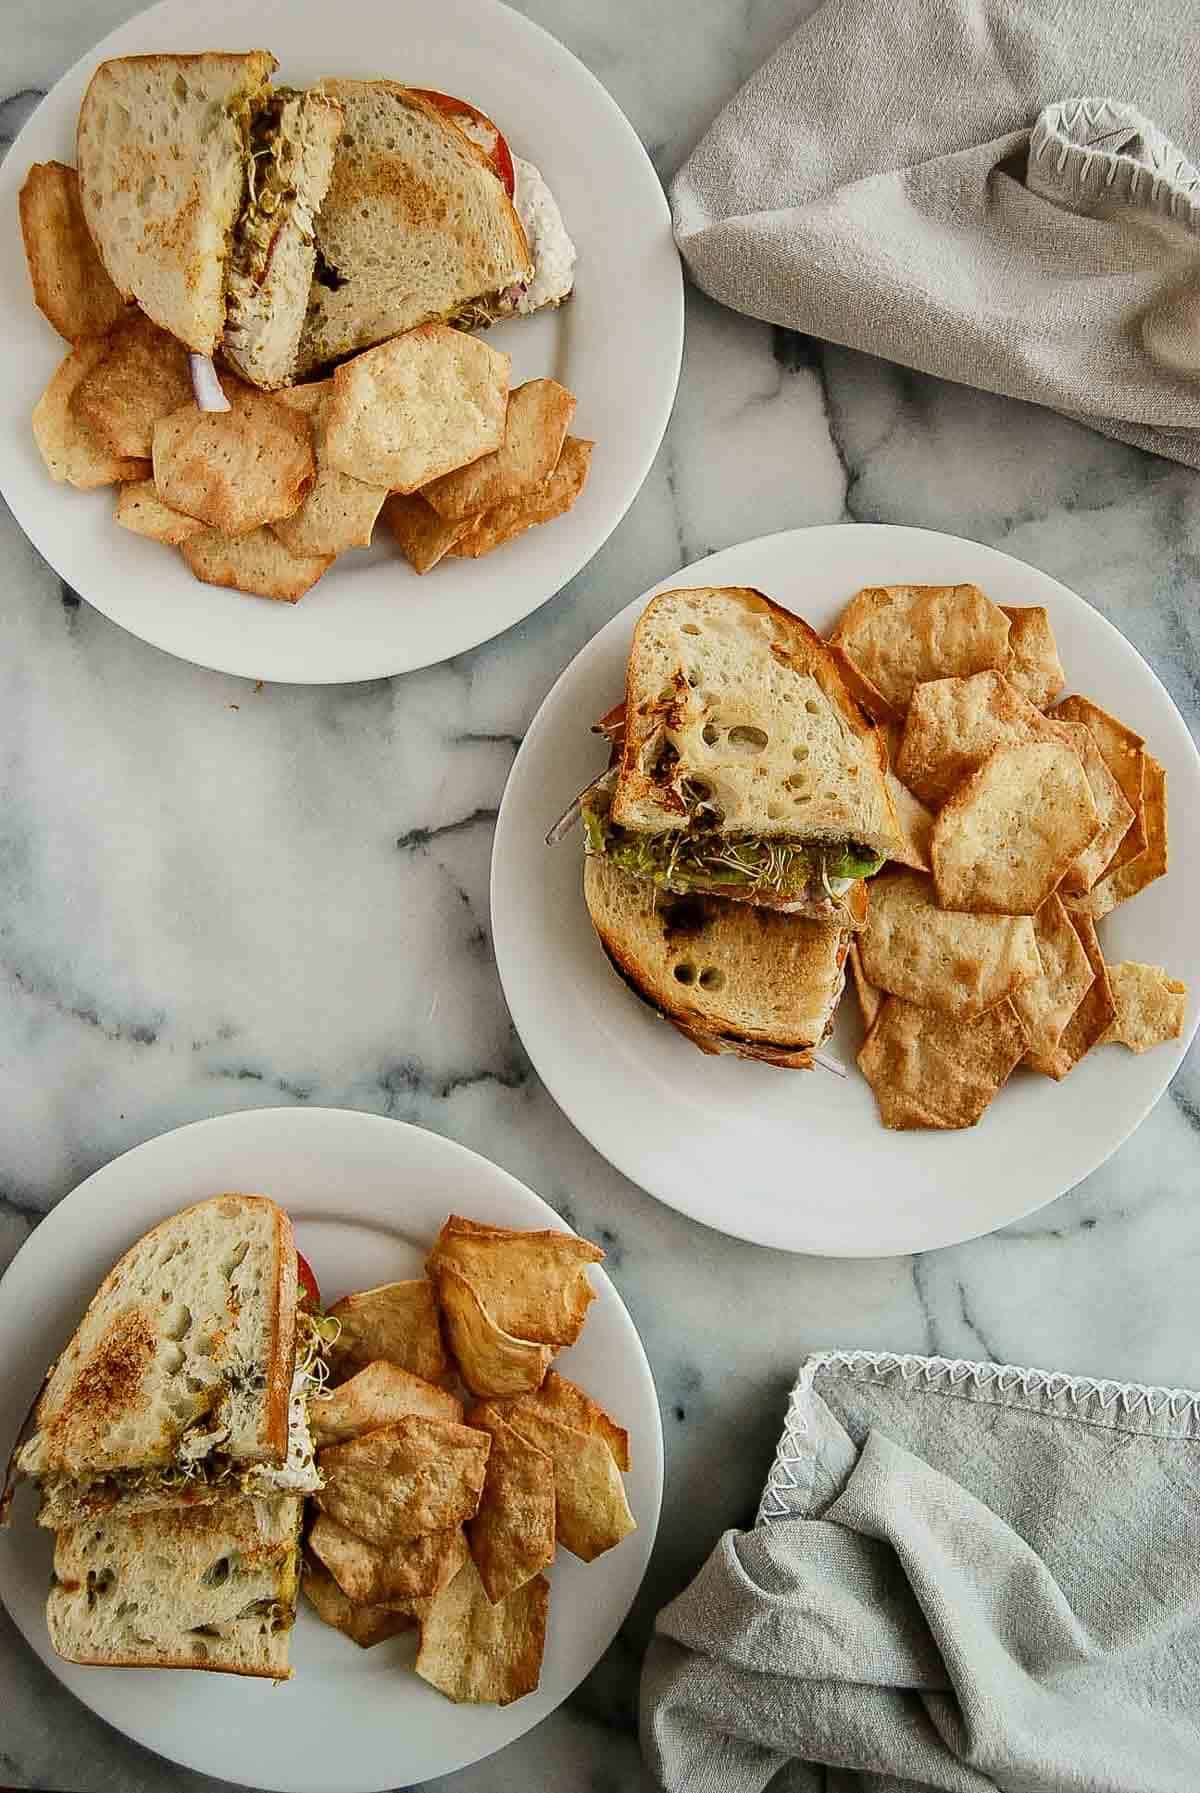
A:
(213, 897)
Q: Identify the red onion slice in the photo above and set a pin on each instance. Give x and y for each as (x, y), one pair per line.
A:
(206, 385)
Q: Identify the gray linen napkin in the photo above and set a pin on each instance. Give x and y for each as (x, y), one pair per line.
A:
(963, 1576)
(918, 178)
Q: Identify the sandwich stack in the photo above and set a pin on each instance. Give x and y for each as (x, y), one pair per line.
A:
(728, 845)
(172, 1449)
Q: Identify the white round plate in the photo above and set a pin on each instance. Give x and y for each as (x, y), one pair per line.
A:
(367, 1196)
(621, 334)
(800, 1161)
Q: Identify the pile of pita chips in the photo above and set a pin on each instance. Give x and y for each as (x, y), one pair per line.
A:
(1028, 818)
(264, 496)
(535, 474)
(447, 1520)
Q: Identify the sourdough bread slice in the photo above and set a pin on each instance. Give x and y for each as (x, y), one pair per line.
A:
(161, 150)
(186, 1349)
(732, 977)
(735, 705)
(213, 1588)
(416, 224)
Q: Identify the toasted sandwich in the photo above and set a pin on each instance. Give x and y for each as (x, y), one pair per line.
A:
(731, 977)
(742, 766)
(418, 225)
(187, 1380)
(206, 1588)
(200, 186)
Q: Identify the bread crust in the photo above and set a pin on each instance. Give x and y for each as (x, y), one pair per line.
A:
(283, 1358)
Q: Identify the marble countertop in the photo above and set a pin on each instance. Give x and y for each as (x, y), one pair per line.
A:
(214, 897)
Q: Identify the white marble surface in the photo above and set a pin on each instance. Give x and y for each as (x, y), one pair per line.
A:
(213, 897)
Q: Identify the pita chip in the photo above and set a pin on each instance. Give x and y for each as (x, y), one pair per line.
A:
(933, 1070)
(70, 447)
(397, 1322)
(475, 1652)
(71, 287)
(1150, 1006)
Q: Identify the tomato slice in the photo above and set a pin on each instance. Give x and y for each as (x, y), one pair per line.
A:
(499, 154)
(309, 1292)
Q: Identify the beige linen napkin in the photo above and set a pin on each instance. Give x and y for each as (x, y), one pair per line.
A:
(919, 179)
(964, 1576)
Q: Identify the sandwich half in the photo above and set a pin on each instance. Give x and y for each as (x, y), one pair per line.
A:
(200, 185)
(187, 1379)
(744, 769)
(416, 227)
(731, 977)
(161, 149)
(206, 1588)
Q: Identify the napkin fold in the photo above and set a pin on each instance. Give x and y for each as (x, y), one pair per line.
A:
(1004, 195)
(963, 1576)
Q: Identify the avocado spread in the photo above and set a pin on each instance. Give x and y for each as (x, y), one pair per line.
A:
(700, 859)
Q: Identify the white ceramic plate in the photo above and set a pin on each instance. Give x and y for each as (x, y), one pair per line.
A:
(788, 1159)
(367, 1196)
(621, 334)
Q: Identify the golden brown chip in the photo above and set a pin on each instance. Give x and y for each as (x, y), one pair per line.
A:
(953, 724)
(538, 417)
(591, 1511)
(933, 1070)
(416, 407)
(1123, 753)
(70, 285)
(473, 1651)
(424, 538)
(375, 1397)
(870, 1000)
(140, 509)
(1151, 1007)
(1091, 1020)
(938, 958)
(1124, 879)
(490, 1360)
(367, 1625)
(416, 1475)
(512, 1535)
(557, 494)
(1003, 842)
(397, 1322)
(534, 1284)
(142, 376)
(337, 512)
(1116, 817)
(1048, 1001)
(372, 1576)
(916, 825)
(235, 469)
(257, 564)
(868, 699)
(71, 451)
(1034, 666)
(900, 636)
(565, 1401)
